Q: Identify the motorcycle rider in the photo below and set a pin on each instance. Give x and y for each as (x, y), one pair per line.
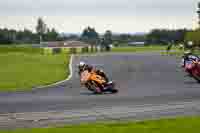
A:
(83, 66)
(188, 57)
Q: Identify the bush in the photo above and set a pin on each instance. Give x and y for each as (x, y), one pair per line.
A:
(193, 36)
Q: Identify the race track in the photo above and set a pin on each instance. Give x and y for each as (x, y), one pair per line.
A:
(150, 86)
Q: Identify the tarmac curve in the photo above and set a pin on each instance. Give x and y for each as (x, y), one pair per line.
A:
(150, 86)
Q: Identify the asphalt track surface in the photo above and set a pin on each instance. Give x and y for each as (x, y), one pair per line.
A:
(150, 86)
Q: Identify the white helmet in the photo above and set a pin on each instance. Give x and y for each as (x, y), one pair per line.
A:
(81, 64)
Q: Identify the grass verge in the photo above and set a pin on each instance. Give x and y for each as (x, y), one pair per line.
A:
(139, 49)
(178, 53)
(178, 125)
(21, 71)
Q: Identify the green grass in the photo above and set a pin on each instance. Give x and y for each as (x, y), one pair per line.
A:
(22, 71)
(28, 50)
(174, 53)
(178, 125)
(139, 49)
(179, 53)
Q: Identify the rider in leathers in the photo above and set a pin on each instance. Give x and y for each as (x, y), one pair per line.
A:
(188, 57)
(83, 66)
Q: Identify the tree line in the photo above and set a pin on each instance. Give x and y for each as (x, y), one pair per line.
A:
(166, 36)
(43, 33)
(91, 36)
(156, 36)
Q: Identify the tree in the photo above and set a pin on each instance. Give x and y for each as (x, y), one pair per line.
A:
(11, 36)
(108, 37)
(90, 36)
(165, 36)
(41, 28)
(6, 37)
(193, 36)
(198, 12)
(51, 35)
(107, 40)
(124, 38)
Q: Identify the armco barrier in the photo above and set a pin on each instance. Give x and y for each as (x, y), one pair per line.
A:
(73, 50)
(70, 50)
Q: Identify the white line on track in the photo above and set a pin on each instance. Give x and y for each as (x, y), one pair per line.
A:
(68, 78)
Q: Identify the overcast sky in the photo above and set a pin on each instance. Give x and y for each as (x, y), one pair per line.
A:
(116, 15)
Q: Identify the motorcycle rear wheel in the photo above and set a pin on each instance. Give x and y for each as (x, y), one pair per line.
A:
(94, 87)
(197, 78)
(111, 88)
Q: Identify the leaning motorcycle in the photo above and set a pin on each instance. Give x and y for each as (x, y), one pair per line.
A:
(96, 83)
(193, 69)
(187, 66)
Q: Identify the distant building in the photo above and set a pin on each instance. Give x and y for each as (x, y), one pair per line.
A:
(64, 44)
(136, 43)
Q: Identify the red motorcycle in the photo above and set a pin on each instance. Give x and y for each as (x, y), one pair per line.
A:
(187, 66)
(193, 69)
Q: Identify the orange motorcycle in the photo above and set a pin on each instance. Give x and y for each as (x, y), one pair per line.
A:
(96, 83)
